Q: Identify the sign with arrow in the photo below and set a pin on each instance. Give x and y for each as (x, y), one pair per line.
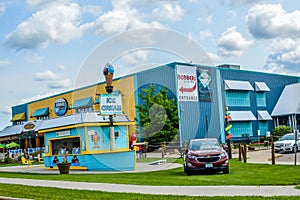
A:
(187, 83)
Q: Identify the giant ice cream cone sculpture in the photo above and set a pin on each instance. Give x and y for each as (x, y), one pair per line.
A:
(108, 72)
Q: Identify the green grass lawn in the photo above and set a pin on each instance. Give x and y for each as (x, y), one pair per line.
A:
(240, 174)
(39, 193)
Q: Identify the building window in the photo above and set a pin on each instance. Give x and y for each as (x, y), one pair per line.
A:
(83, 110)
(42, 118)
(241, 128)
(19, 122)
(263, 127)
(261, 99)
(237, 98)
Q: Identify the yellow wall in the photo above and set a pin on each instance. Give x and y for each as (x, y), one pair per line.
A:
(125, 85)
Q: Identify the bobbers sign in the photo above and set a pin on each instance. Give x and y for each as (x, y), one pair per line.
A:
(187, 83)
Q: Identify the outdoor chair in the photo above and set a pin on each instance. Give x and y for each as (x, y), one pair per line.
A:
(40, 158)
(25, 161)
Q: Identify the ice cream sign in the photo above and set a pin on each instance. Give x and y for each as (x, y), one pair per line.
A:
(187, 83)
(110, 104)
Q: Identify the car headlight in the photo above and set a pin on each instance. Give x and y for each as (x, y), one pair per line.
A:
(191, 156)
(223, 155)
(288, 144)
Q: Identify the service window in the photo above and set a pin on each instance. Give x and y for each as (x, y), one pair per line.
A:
(65, 146)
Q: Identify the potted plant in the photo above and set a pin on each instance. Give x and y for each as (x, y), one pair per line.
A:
(64, 167)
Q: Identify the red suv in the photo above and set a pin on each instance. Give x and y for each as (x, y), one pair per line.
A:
(205, 155)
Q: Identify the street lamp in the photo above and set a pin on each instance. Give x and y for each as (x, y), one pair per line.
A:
(108, 72)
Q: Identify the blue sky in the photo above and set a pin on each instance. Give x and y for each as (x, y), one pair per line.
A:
(46, 44)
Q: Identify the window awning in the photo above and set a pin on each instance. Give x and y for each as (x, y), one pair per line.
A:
(18, 117)
(263, 115)
(97, 100)
(261, 87)
(288, 102)
(41, 112)
(241, 116)
(238, 85)
(82, 103)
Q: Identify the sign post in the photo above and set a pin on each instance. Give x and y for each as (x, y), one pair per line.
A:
(228, 126)
(258, 141)
(108, 72)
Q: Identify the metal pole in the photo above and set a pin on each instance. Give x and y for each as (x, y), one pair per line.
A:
(296, 138)
(206, 123)
(111, 133)
(108, 72)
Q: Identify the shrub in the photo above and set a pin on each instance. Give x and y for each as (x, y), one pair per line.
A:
(282, 130)
(7, 160)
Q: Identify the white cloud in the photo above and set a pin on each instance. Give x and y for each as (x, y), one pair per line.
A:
(54, 23)
(5, 109)
(34, 58)
(61, 67)
(46, 75)
(134, 57)
(232, 43)
(214, 57)
(284, 55)
(38, 96)
(238, 2)
(271, 20)
(203, 35)
(205, 19)
(168, 11)
(2, 8)
(5, 62)
(92, 9)
(52, 80)
(121, 18)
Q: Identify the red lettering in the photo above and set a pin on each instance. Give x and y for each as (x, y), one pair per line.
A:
(186, 77)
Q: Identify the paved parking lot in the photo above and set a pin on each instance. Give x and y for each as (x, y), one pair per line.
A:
(265, 156)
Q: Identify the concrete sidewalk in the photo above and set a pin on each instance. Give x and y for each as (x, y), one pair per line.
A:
(164, 190)
(40, 169)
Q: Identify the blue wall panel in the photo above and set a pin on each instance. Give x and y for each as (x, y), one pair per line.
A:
(275, 82)
(23, 108)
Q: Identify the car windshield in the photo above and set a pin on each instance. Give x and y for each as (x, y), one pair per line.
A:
(204, 145)
(288, 137)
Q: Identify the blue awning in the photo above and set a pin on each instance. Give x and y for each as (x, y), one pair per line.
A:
(97, 100)
(41, 112)
(82, 103)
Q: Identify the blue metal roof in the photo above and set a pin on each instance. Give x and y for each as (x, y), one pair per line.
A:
(41, 112)
(81, 103)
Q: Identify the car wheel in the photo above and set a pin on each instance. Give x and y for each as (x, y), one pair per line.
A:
(226, 171)
(188, 172)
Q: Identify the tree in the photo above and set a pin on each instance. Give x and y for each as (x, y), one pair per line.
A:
(281, 130)
(158, 115)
